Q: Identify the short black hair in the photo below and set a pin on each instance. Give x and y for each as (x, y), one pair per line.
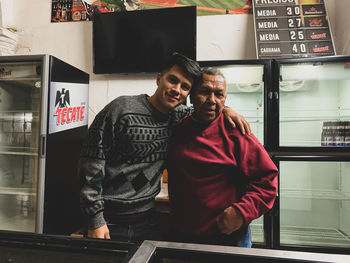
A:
(189, 66)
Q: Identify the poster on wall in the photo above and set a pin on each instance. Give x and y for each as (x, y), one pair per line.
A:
(83, 10)
(292, 29)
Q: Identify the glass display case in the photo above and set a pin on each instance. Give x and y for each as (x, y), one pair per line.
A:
(312, 152)
(20, 104)
(314, 109)
(42, 248)
(20, 92)
(314, 202)
(39, 248)
(41, 132)
(164, 252)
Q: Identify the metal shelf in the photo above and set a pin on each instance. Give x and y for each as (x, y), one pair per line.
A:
(308, 119)
(21, 78)
(314, 194)
(291, 235)
(20, 153)
(17, 191)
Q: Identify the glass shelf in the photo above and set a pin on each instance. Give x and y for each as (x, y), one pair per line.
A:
(257, 231)
(313, 118)
(17, 191)
(315, 194)
(292, 235)
(21, 79)
(21, 153)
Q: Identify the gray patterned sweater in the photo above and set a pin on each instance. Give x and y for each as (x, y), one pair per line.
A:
(123, 158)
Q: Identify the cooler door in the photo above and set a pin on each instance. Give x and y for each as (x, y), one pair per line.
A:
(245, 94)
(315, 202)
(20, 100)
(314, 104)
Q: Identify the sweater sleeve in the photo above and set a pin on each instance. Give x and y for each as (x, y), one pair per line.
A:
(92, 168)
(261, 174)
(180, 112)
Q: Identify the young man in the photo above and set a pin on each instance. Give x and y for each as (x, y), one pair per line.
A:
(123, 158)
(219, 180)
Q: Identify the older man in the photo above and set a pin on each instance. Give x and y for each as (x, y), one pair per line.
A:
(219, 180)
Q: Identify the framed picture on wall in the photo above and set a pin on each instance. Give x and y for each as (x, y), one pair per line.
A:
(84, 10)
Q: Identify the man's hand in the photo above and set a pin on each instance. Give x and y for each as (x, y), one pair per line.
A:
(234, 118)
(101, 232)
(230, 220)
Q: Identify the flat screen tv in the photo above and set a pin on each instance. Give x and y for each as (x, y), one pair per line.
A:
(139, 41)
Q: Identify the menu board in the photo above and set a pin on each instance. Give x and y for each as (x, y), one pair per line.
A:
(291, 29)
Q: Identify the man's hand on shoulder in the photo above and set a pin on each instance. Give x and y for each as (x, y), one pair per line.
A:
(236, 119)
(230, 220)
(101, 232)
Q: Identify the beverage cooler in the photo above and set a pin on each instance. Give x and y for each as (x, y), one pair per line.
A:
(312, 150)
(43, 122)
(299, 109)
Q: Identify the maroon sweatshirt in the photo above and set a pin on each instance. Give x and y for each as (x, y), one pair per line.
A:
(212, 167)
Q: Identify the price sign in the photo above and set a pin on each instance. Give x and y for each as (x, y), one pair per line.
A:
(292, 28)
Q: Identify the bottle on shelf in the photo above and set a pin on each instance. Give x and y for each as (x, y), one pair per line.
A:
(324, 133)
(339, 134)
(347, 133)
(328, 134)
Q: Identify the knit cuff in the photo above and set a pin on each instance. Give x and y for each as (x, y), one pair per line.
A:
(96, 221)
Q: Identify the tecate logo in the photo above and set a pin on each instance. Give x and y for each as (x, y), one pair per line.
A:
(319, 36)
(320, 49)
(65, 113)
(4, 73)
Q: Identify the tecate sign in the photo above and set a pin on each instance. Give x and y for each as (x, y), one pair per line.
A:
(68, 106)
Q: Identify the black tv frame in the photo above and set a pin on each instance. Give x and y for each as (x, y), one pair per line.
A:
(147, 38)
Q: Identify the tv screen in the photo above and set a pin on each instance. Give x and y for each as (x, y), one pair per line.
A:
(140, 41)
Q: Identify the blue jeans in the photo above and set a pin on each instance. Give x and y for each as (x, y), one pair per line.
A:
(239, 238)
(245, 239)
(135, 232)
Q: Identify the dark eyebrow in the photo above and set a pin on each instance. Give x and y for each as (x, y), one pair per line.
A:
(204, 87)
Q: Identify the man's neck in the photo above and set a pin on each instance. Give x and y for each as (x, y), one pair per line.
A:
(201, 122)
(157, 105)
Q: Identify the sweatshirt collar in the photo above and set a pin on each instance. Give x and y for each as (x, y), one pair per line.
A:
(156, 113)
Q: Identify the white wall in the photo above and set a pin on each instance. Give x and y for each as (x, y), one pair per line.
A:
(218, 37)
(342, 26)
(222, 37)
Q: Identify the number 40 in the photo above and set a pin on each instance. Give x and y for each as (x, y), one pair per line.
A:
(302, 48)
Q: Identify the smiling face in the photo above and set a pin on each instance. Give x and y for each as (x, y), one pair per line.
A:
(208, 98)
(173, 87)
